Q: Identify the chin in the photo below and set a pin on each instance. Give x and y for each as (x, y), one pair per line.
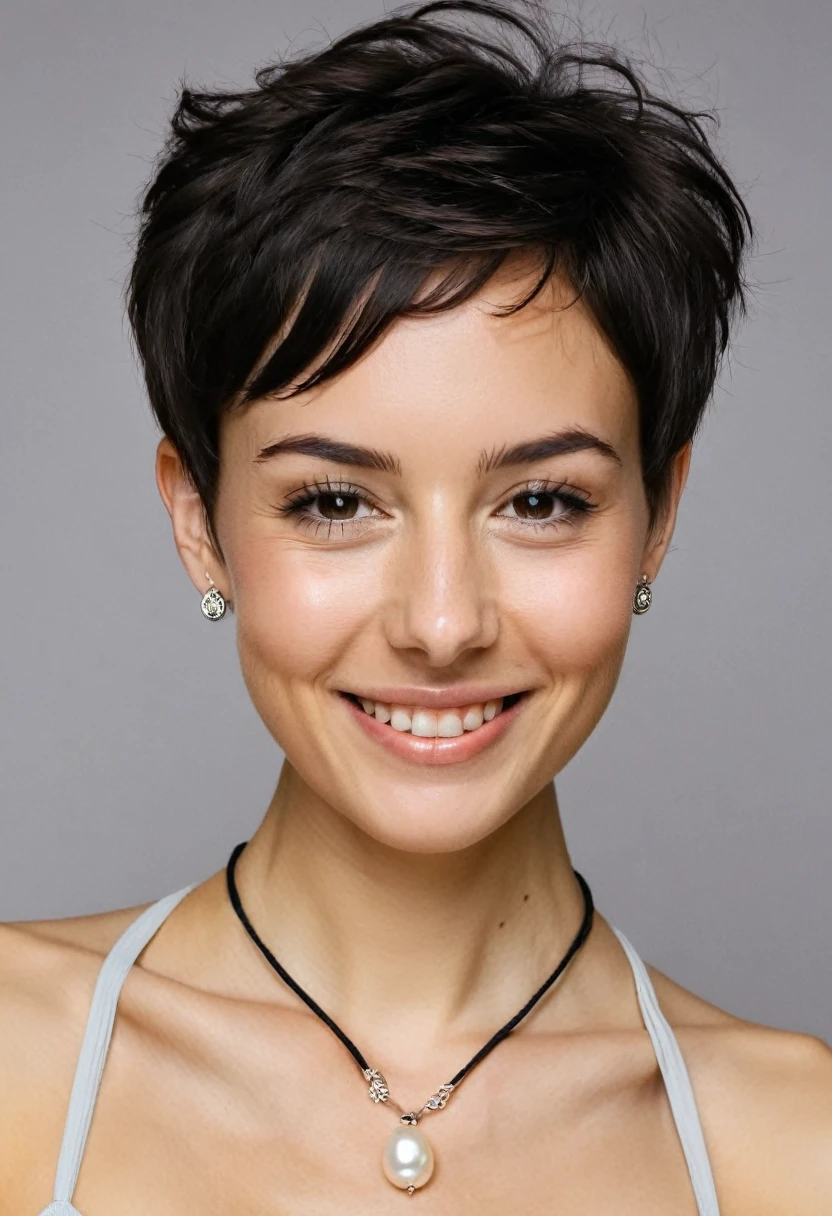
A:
(438, 831)
(432, 820)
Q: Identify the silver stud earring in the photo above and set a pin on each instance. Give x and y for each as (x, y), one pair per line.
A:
(213, 604)
(642, 597)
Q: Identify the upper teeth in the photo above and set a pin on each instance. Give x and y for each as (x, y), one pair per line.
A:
(429, 723)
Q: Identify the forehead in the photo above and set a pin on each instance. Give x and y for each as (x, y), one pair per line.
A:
(466, 378)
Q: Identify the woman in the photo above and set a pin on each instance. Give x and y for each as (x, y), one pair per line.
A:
(429, 329)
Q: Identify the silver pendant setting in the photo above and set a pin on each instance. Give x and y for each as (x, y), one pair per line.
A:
(407, 1161)
(378, 1090)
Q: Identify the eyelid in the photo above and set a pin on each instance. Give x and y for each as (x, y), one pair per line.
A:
(576, 501)
(563, 490)
(540, 485)
(545, 485)
(312, 489)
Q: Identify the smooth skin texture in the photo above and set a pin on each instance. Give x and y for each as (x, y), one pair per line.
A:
(420, 904)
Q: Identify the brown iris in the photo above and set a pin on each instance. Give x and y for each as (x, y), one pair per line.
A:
(337, 506)
(533, 506)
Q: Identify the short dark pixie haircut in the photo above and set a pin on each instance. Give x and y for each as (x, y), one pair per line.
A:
(331, 191)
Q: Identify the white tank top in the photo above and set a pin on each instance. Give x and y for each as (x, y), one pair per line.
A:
(129, 946)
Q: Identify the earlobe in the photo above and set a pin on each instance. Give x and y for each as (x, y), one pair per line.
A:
(187, 514)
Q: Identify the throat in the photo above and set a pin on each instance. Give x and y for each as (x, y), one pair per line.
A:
(409, 949)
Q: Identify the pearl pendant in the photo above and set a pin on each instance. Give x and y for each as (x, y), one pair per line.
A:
(408, 1158)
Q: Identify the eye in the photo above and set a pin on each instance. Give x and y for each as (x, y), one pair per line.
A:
(327, 506)
(546, 506)
(536, 505)
(335, 505)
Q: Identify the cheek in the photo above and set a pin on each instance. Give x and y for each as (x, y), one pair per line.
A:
(296, 610)
(575, 611)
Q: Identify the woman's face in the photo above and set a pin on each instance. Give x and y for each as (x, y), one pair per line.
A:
(417, 534)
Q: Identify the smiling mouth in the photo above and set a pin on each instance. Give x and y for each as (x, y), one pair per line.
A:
(434, 723)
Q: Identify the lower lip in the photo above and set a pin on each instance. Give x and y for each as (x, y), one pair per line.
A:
(435, 750)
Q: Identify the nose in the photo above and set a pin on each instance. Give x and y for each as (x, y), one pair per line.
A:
(441, 601)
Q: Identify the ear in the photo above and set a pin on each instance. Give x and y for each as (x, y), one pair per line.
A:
(187, 515)
(661, 533)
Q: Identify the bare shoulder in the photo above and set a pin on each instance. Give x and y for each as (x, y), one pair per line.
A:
(46, 964)
(48, 970)
(765, 1099)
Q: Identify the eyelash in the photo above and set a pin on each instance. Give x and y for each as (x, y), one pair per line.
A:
(577, 507)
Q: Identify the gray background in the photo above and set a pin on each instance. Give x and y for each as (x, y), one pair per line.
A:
(131, 758)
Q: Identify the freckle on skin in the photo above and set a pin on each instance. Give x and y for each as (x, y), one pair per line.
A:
(502, 922)
(525, 897)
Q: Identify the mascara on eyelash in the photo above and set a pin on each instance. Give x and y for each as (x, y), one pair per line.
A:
(576, 505)
(313, 490)
(307, 495)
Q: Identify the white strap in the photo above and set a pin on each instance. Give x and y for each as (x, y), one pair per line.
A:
(122, 956)
(677, 1083)
(97, 1037)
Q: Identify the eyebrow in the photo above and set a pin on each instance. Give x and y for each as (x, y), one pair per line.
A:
(336, 450)
(557, 443)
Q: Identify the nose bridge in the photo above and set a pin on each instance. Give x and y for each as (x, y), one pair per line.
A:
(443, 599)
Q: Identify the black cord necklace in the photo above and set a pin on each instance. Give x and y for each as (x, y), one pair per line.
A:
(408, 1160)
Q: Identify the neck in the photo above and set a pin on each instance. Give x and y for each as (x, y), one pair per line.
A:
(411, 948)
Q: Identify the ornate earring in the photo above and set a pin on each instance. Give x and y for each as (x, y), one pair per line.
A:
(642, 597)
(213, 604)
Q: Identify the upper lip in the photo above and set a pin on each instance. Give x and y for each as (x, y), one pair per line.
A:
(436, 698)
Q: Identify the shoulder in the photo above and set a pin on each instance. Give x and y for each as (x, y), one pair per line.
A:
(765, 1099)
(48, 971)
(48, 967)
(44, 964)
